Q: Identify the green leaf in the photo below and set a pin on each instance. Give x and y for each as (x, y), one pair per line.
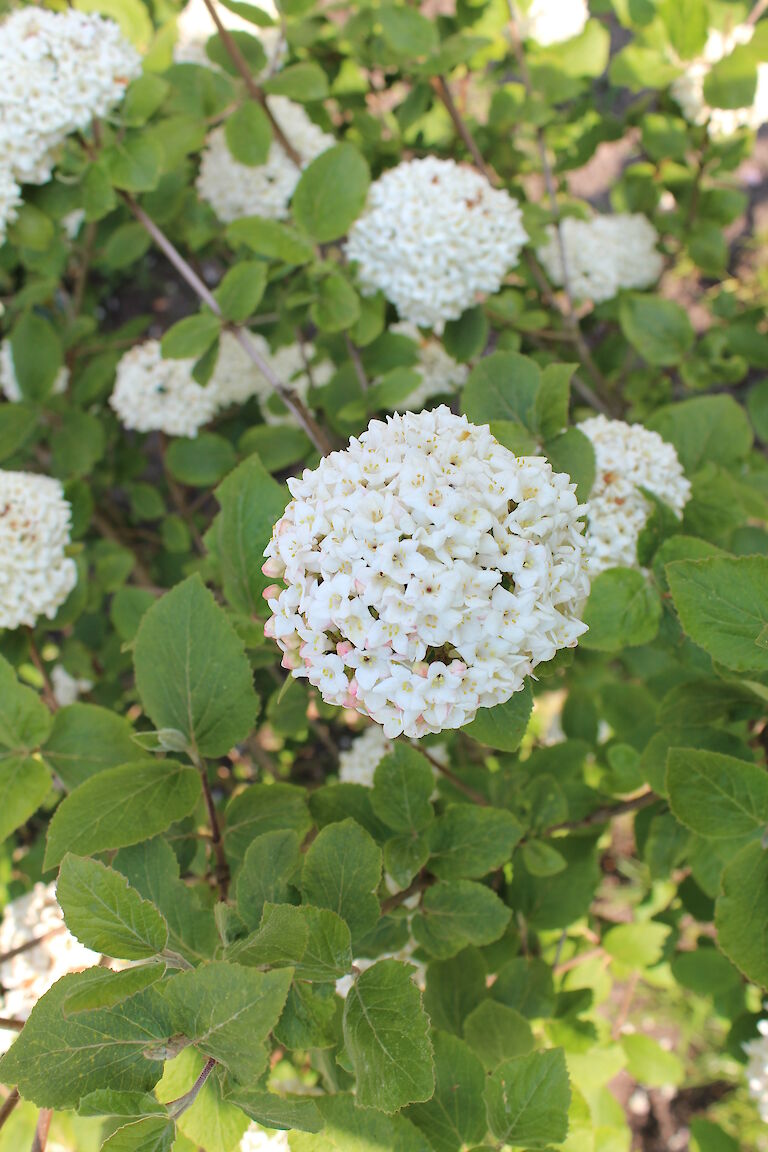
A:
(705, 429)
(271, 238)
(456, 913)
(37, 356)
(192, 672)
(24, 784)
(527, 986)
(404, 856)
(528, 1100)
(331, 193)
(732, 81)
(122, 806)
(108, 988)
(251, 502)
(303, 82)
(201, 462)
(541, 858)
(149, 1134)
(273, 1111)
(470, 841)
(658, 329)
(336, 306)
(86, 739)
(17, 423)
(228, 1011)
(106, 1102)
(402, 786)
(636, 945)
(741, 913)
(328, 954)
(722, 603)
(455, 1116)
(407, 32)
(311, 1017)
(271, 864)
(191, 337)
(687, 23)
(265, 808)
(651, 1064)
(249, 134)
(386, 1034)
(241, 290)
(135, 162)
(757, 406)
(350, 1128)
(144, 96)
(504, 726)
(104, 913)
(342, 870)
(718, 797)
(583, 55)
(280, 939)
(56, 1060)
(502, 386)
(497, 1032)
(623, 610)
(32, 229)
(251, 49)
(553, 399)
(465, 338)
(572, 453)
(454, 988)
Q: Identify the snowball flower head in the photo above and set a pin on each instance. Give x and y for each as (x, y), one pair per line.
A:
(156, 395)
(688, 88)
(552, 21)
(67, 689)
(194, 28)
(236, 378)
(28, 976)
(258, 1139)
(58, 71)
(604, 255)
(628, 458)
(36, 575)
(427, 572)
(757, 1069)
(234, 190)
(433, 237)
(440, 373)
(9, 385)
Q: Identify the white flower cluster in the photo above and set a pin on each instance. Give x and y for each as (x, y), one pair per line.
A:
(28, 976)
(9, 385)
(67, 689)
(604, 255)
(258, 1139)
(234, 190)
(194, 28)
(57, 71)
(440, 373)
(688, 88)
(428, 571)
(552, 21)
(36, 575)
(757, 1069)
(435, 236)
(156, 395)
(236, 378)
(628, 458)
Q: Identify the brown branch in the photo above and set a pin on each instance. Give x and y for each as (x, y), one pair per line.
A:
(44, 1117)
(81, 276)
(354, 355)
(440, 86)
(757, 11)
(575, 961)
(468, 791)
(47, 689)
(222, 865)
(176, 1107)
(187, 272)
(9, 1104)
(10, 1024)
(602, 815)
(418, 885)
(255, 91)
(33, 943)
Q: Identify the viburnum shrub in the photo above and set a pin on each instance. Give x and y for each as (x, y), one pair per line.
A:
(383, 576)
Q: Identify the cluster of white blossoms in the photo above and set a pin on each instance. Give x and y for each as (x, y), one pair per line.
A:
(236, 378)
(234, 190)
(9, 385)
(28, 976)
(67, 689)
(552, 21)
(757, 1069)
(604, 255)
(688, 88)
(434, 237)
(58, 70)
(258, 1139)
(156, 395)
(628, 458)
(358, 763)
(195, 26)
(36, 575)
(428, 571)
(440, 373)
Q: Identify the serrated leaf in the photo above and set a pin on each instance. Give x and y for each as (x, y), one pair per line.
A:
(528, 1100)
(704, 429)
(104, 913)
(497, 1032)
(455, 1116)
(108, 988)
(328, 953)
(280, 939)
(723, 606)
(469, 841)
(504, 726)
(350, 1128)
(122, 806)
(149, 1134)
(718, 797)
(192, 672)
(636, 945)
(658, 329)
(402, 786)
(386, 1034)
(342, 870)
(503, 386)
(741, 912)
(273, 1111)
(271, 863)
(84, 740)
(265, 808)
(456, 913)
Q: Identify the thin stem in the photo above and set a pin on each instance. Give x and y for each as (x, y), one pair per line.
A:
(9, 1104)
(757, 11)
(176, 1107)
(468, 791)
(33, 943)
(399, 898)
(48, 694)
(81, 276)
(44, 1117)
(575, 961)
(222, 866)
(11, 1025)
(626, 1004)
(602, 815)
(254, 90)
(440, 86)
(354, 355)
(187, 272)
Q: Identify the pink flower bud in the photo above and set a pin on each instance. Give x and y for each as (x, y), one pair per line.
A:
(269, 628)
(273, 567)
(271, 591)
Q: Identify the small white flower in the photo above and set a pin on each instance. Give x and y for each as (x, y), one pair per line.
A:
(67, 689)
(552, 21)
(434, 237)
